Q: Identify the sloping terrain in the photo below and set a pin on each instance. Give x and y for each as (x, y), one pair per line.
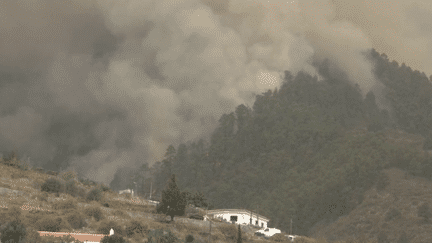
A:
(22, 189)
(403, 194)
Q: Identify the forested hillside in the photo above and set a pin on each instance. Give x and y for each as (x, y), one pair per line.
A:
(300, 151)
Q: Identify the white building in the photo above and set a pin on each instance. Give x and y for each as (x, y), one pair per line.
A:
(239, 216)
(128, 191)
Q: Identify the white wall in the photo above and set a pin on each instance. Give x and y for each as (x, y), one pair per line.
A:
(242, 218)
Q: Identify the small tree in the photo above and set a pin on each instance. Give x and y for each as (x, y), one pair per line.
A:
(13, 232)
(173, 202)
(198, 200)
(239, 236)
(424, 212)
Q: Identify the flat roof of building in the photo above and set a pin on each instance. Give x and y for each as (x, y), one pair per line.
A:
(244, 211)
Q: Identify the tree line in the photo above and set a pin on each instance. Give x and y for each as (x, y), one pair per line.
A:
(292, 153)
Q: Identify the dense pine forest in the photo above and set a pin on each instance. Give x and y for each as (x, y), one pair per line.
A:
(296, 154)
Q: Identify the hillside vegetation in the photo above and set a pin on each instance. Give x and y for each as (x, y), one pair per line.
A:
(317, 152)
(310, 150)
(133, 219)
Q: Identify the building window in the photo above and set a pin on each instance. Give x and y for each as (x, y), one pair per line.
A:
(250, 220)
(256, 222)
(233, 218)
(262, 225)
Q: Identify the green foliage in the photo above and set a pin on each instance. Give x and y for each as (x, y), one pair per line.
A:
(189, 238)
(113, 239)
(393, 214)
(278, 238)
(71, 188)
(95, 212)
(14, 213)
(65, 205)
(136, 227)
(33, 236)
(76, 219)
(229, 231)
(424, 212)
(158, 236)
(173, 202)
(44, 196)
(48, 223)
(105, 188)
(198, 200)
(52, 185)
(297, 148)
(121, 213)
(95, 195)
(14, 231)
(87, 182)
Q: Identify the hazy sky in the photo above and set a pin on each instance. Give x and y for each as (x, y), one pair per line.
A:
(95, 86)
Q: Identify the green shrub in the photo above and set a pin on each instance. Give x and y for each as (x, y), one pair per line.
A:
(13, 231)
(229, 231)
(87, 182)
(48, 223)
(65, 205)
(43, 196)
(105, 188)
(393, 214)
(113, 239)
(105, 227)
(189, 238)
(51, 185)
(157, 236)
(69, 175)
(76, 220)
(14, 213)
(95, 212)
(121, 213)
(279, 238)
(95, 195)
(136, 227)
(33, 236)
(71, 188)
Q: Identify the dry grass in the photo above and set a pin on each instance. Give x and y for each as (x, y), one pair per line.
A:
(37, 205)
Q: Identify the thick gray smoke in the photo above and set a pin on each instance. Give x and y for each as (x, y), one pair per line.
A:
(100, 85)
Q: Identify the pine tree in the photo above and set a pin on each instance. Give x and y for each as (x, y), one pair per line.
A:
(173, 201)
(239, 236)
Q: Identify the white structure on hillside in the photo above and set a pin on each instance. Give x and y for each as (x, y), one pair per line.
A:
(127, 191)
(111, 231)
(239, 216)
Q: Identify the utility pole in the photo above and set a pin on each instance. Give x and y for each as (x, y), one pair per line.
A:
(209, 238)
(151, 184)
(291, 228)
(257, 216)
(136, 190)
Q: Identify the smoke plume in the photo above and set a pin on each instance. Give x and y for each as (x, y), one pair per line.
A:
(101, 86)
